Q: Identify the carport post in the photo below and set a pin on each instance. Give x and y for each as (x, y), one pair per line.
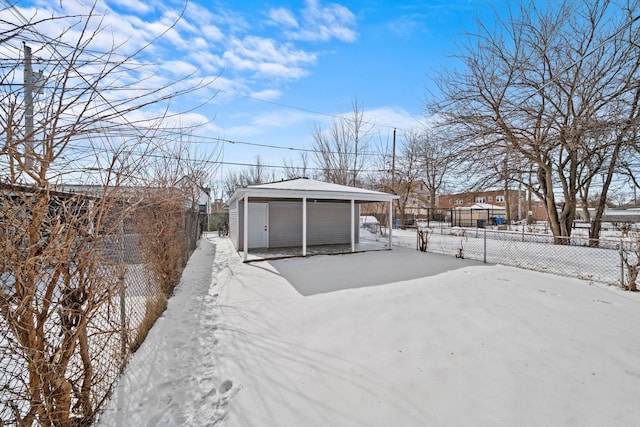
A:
(245, 218)
(304, 226)
(390, 227)
(353, 224)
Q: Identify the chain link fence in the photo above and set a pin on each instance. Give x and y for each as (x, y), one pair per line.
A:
(65, 340)
(611, 260)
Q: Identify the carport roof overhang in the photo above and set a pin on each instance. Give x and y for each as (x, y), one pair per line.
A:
(310, 189)
(310, 194)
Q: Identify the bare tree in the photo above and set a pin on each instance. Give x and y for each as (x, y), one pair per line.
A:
(231, 181)
(342, 148)
(438, 162)
(255, 174)
(548, 90)
(59, 269)
(301, 169)
(409, 168)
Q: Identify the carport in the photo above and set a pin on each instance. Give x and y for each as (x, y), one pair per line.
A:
(299, 212)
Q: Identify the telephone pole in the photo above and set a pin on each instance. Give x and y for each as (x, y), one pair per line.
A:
(32, 85)
(393, 171)
(28, 107)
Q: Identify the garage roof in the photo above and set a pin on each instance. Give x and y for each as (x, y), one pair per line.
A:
(312, 189)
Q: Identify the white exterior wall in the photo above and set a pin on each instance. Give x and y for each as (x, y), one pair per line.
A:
(327, 223)
(285, 224)
(234, 225)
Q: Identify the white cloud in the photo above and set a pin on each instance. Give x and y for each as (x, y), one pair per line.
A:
(282, 16)
(323, 23)
(207, 41)
(261, 123)
(180, 68)
(319, 23)
(212, 33)
(389, 117)
(207, 61)
(267, 58)
(267, 50)
(267, 94)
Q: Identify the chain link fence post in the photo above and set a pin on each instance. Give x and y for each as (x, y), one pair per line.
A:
(123, 297)
(485, 246)
(621, 263)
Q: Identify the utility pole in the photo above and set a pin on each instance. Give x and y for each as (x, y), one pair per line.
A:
(393, 169)
(28, 107)
(31, 79)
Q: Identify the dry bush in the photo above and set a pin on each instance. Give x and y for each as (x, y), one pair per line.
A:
(631, 260)
(54, 281)
(64, 307)
(160, 222)
(423, 238)
(153, 310)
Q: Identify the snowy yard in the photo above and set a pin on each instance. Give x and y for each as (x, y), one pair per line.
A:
(445, 343)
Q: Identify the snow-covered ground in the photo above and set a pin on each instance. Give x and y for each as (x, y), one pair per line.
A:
(445, 342)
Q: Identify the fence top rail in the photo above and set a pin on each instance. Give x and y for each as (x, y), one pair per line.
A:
(613, 240)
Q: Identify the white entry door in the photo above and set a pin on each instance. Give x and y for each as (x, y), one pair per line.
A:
(258, 225)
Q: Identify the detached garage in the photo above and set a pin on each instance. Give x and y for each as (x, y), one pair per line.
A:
(300, 212)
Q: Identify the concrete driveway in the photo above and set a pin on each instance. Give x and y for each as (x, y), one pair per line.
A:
(328, 273)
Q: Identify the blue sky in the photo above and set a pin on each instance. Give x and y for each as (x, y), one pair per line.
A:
(284, 67)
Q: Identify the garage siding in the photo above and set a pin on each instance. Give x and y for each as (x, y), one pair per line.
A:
(233, 223)
(285, 224)
(328, 223)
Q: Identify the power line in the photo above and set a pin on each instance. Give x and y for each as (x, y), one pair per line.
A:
(305, 110)
(98, 150)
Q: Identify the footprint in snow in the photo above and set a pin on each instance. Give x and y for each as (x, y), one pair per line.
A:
(602, 301)
(549, 293)
(224, 394)
(225, 387)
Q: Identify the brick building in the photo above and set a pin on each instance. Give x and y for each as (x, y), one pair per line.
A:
(518, 203)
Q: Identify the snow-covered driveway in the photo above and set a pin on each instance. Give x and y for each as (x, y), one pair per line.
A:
(478, 345)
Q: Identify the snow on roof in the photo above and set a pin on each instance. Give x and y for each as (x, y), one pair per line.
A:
(310, 188)
(368, 219)
(481, 206)
(622, 212)
(307, 184)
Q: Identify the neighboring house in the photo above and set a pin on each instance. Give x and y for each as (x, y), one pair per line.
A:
(196, 197)
(494, 200)
(298, 213)
(219, 218)
(204, 206)
(414, 202)
(418, 199)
